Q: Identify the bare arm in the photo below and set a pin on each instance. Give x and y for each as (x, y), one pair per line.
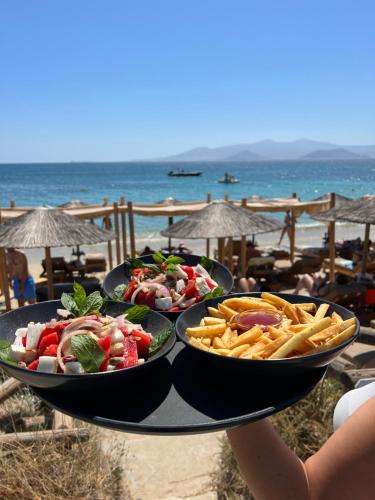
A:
(343, 468)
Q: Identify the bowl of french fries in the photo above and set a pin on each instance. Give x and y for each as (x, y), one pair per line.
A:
(269, 333)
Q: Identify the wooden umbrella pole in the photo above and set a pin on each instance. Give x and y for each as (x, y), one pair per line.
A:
(331, 241)
(110, 256)
(230, 254)
(49, 273)
(131, 229)
(117, 232)
(170, 222)
(123, 228)
(208, 241)
(4, 275)
(243, 248)
(365, 248)
(221, 244)
(292, 237)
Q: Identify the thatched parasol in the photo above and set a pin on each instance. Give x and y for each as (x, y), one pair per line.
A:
(73, 204)
(48, 228)
(361, 211)
(340, 200)
(222, 219)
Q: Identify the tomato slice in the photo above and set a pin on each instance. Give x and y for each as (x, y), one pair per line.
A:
(131, 352)
(146, 298)
(143, 341)
(129, 291)
(50, 350)
(105, 344)
(52, 338)
(190, 291)
(189, 271)
(33, 365)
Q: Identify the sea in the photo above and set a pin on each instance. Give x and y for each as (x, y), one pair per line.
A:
(56, 183)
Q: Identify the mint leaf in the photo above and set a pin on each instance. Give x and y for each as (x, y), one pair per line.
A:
(4, 350)
(88, 352)
(69, 304)
(134, 263)
(5, 353)
(216, 292)
(79, 295)
(171, 267)
(136, 313)
(158, 257)
(94, 303)
(173, 259)
(153, 267)
(118, 292)
(159, 340)
(207, 263)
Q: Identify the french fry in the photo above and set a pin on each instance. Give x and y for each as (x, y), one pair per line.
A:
(206, 331)
(341, 337)
(297, 328)
(207, 341)
(286, 322)
(247, 304)
(223, 352)
(247, 337)
(275, 333)
(266, 340)
(324, 334)
(336, 318)
(213, 321)
(297, 339)
(321, 312)
(218, 343)
(193, 341)
(227, 311)
(309, 307)
(227, 337)
(275, 300)
(235, 353)
(257, 348)
(276, 344)
(290, 312)
(304, 316)
(202, 323)
(215, 312)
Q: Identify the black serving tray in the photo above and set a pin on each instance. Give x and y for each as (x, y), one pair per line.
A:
(181, 396)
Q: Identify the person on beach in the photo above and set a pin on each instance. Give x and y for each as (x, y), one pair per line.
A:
(287, 229)
(342, 469)
(22, 282)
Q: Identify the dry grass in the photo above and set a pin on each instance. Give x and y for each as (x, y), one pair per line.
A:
(56, 471)
(304, 427)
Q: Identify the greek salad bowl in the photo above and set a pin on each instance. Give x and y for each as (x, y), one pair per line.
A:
(44, 346)
(168, 284)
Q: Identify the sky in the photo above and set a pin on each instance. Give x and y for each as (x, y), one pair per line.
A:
(120, 80)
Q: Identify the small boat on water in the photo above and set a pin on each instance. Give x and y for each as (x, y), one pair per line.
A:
(180, 172)
(228, 179)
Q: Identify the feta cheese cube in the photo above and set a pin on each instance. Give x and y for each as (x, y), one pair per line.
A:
(47, 364)
(202, 271)
(33, 334)
(74, 368)
(202, 287)
(17, 352)
(180, 285)
(117, 336)
(180, 273)
(164, 303)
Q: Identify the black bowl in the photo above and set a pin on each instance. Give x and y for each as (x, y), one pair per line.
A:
(121, 275)
(9, 322)
(266, 367)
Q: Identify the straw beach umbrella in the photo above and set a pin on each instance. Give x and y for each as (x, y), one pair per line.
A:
(46, 228)
(361, 211)
(221, 219)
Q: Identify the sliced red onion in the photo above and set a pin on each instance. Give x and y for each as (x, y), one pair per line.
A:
(178, 302)
(157, 286)
(188, 303)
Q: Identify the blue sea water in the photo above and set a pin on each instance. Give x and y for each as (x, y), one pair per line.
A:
(53, 184)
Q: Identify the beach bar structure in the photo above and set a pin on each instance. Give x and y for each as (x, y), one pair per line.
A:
(121, 215)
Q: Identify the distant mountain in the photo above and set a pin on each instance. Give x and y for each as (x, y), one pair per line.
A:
(268, 149)
(245, 155)
(333, 154)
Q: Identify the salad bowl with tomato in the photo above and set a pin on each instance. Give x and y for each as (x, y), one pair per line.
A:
(81, 343)
(169, 284)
